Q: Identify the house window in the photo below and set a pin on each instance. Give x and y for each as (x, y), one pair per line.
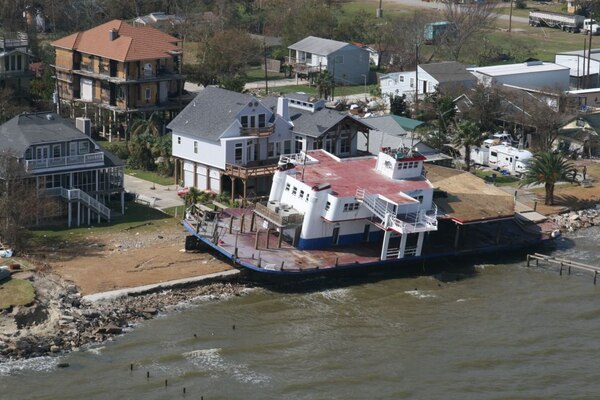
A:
(294, 191)
(347, 207)
(298, 144)
(271, 149)
(195, 147)
(148, 94)
(41, 152)
(244, 121)
(120, 92)
(238, 153)
(301, 194)
(287, 147)
(401, 78)
(287, 187)
(345, 143)
(261, 120)
(327, 206)
(178, 139)
(56, 150)
(277, 148)
(72, 148)
(19, 65)
(84, 147)
(419, 199)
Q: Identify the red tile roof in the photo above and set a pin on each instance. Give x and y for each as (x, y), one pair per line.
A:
(133, 43)
(348, 175)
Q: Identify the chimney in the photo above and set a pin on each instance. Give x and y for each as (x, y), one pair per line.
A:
(112, 34)
(84, 125)
(282, 108)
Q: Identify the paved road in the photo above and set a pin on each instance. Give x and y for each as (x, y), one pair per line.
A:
(157, 196)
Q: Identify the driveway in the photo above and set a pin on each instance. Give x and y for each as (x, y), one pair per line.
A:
(156, 196)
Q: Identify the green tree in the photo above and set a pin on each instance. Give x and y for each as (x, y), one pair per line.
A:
(547, 168)
(467, 135)
(325, 84)
(142, 138)
(398, 106)
(235, 83)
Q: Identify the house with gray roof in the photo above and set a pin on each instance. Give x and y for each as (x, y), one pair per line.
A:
(65, 163)
(225, 141)
(444, 76)
(347, 64)
(14, 62)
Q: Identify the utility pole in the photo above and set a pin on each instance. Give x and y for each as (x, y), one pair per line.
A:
(510, 16)
(590, 42)
(379, 13)
(416, 80)
(266, 75)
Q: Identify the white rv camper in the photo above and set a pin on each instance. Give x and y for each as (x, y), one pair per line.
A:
(511, 159)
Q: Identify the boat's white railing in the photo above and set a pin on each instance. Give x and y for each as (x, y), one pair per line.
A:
(420, 221)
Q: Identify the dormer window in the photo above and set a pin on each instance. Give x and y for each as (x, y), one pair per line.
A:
(84, 147)
(244, 121)
(261, 120)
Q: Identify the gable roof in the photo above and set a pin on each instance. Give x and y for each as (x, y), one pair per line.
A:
(25, 130)
(211, 112)
(133, 43)
(319, 46)
(448, 71)
(317, 123)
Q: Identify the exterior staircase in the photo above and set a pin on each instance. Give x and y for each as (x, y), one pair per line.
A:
(83, 198)
(420, 221)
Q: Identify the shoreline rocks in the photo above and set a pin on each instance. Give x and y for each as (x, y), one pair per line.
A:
(574, 220)
(61, 321)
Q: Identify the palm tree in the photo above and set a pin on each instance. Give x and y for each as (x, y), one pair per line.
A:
(547, 168)
(468, 135)
(325, 84)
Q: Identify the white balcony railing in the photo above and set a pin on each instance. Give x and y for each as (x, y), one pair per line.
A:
(61, 162)
(419, 221)
(81, 197)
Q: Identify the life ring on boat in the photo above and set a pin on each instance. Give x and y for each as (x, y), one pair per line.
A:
(555, 233)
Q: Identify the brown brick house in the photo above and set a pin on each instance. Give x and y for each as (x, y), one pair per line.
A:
(115, 72)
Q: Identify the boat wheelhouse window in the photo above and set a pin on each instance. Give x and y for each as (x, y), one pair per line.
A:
(287, 187)
(494, 154)
(195, 147)
(294, 191)
(327, 206)
(178, 139)
(419, 199)
(301, 194)
(346, 207)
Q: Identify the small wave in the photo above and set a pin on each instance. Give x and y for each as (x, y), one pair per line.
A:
(96, 350)
(38, 364)
(212, 361)
(420, 294)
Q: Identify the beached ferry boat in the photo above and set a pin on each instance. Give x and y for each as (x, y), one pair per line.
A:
(327, 214)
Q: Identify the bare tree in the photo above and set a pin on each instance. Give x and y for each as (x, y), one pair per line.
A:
(469, 21)
(20, 205)
(544, 111)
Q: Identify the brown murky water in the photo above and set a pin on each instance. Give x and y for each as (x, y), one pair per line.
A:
(503, 332)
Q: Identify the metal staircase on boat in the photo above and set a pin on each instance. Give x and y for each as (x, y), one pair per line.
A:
(420, 221)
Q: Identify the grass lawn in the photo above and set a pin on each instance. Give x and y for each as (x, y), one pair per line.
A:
(175, 212)
(501, 180)
(150, 176)
(137, 216)
(16, 292)
(255, 74)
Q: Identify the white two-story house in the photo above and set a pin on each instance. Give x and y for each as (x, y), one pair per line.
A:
(383, 198)
(429, 79)
(65, 163)
(229, 142)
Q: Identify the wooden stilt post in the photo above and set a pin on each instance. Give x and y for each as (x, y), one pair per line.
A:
(280, 238)
(230, 224)
(256, 239)
(528, 258)
(252, 218)
(242, 223)
(268, 236)
(595, 275)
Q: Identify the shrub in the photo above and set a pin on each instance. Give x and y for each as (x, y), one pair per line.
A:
(520, 4)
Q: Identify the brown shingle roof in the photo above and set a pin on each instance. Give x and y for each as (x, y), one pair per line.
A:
(133, 43)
